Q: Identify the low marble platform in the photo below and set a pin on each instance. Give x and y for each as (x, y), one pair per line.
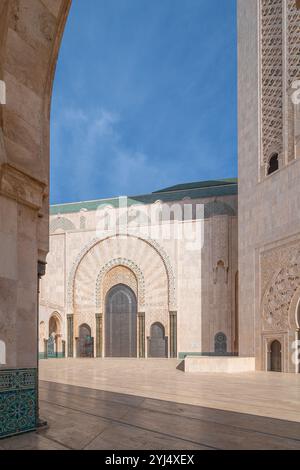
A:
(219, 364)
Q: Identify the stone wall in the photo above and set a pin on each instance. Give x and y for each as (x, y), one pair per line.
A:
(268, 205)
(30, 34)
(196, 285)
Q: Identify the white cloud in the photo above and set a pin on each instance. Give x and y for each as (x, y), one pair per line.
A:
(92, 140)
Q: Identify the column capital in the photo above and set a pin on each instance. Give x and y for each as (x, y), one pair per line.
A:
(41, 269)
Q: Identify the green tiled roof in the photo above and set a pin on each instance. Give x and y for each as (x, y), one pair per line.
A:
(202, 189)
(198, 185)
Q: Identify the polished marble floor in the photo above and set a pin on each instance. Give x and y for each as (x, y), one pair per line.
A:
(121, 404)
(83, 418)
(269, 394)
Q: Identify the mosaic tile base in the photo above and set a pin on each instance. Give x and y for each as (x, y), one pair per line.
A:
(18, 401)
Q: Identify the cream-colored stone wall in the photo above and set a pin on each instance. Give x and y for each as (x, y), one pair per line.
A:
(30, 33)
(269, 219)
(167, 274)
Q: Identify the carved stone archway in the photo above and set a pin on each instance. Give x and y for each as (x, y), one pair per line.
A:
(152, 243)
(132, 267)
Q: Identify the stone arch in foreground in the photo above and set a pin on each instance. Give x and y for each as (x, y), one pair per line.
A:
(30, 36)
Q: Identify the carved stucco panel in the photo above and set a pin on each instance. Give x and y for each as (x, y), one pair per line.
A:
(119, 274)
(91, 257)
(282, 288)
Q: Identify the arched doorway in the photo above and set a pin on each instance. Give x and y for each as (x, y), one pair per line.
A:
(120, 322)
(54, 339)
(220, 344)
(157, 342)
(85, 342)
(275, 356)
(54, 325)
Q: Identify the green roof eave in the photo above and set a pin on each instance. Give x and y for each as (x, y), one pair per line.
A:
(198, 185)
(229, 189)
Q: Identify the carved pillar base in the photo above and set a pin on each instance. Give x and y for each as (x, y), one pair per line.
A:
(70, 324)
(99, 334)
(141, 326)
(173, 334)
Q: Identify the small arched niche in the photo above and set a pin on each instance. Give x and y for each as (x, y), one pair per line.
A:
(273, 163)
(157, 342)
(54, 325)
(220, 344)
(275, 356)
(85, 342)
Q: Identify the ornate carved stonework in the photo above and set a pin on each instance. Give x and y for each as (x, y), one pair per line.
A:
(271, 261)
(170, 273)
(84, 317)
(163, 255)
(271, 77)
(280, 66)
(61, 223)
(279, 295)
(120, 271)
(293, 69)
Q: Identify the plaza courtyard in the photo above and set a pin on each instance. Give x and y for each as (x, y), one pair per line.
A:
(122, 404)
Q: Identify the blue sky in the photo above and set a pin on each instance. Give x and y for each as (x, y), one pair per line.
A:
(144, 97)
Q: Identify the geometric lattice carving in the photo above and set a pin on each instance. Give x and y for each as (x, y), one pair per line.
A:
(61, 223)
(279, 296)
(293, 68)
(280, 66)
(271, 77)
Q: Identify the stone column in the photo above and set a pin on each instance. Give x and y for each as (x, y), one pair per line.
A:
(141, 329)
(63, 348)
(45, 349)
(70, 329)
(41, 271)
(99, 333)
(173, 334)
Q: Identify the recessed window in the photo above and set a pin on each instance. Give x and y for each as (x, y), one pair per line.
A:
(220, 344)
(273, 164)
